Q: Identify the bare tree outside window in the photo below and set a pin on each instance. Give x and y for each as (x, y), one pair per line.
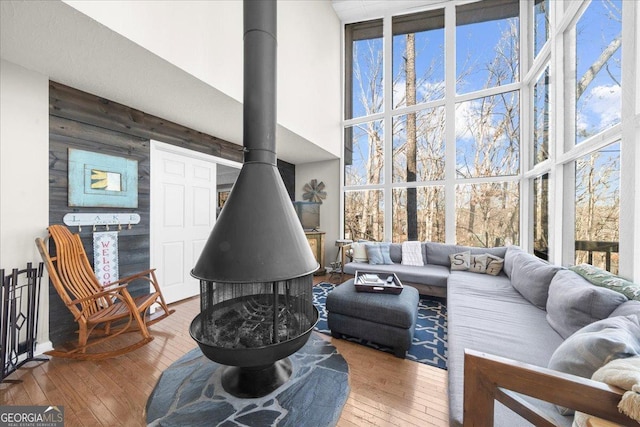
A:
(541, 25)
(598, 91)
(598, 208)
(541, 216)
(541, 118)
(598, 68)
(364, 215)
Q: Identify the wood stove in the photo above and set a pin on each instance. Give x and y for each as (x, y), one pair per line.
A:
(256, 269)
(253, 328)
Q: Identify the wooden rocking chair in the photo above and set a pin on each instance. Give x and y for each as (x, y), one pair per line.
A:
(91, 304)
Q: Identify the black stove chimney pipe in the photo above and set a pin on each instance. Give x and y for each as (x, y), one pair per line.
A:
(260, 50)
(257, 237)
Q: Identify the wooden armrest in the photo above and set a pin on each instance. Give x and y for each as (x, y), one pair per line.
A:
(110, 291)
(486, 377)
(140, 275)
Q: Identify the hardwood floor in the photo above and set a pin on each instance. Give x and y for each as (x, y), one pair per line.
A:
(385, 390)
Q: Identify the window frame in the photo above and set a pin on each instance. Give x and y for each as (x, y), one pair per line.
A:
(562, 150)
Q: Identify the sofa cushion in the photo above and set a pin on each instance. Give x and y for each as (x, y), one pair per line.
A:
(509, 256)
(595, 345)
(485, 313)
(378, 253)
(574, 303)
(412, 253)
(395, 252)
(627, 308)
(531, 277)
(606, 279)
(438, 253)
(498, 251)
(460, 261)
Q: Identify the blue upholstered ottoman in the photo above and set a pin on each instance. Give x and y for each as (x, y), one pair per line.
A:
(385, 319)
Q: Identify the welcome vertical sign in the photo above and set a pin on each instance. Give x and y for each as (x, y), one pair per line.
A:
(105, 257)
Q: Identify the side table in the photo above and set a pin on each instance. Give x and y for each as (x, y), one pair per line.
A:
(336, 266)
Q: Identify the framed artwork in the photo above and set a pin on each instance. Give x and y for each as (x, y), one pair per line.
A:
(100, 180)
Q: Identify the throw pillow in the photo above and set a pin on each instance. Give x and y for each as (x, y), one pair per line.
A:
(478, 263)
(412, 253)
(460, 261)
(378, 253)
(531, 277)
(494, 265)
(624, 374)
(600, 277)
(574, 303)
(595, 345)
(359, 252)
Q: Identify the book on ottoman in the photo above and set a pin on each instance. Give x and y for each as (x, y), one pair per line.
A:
(384, 283)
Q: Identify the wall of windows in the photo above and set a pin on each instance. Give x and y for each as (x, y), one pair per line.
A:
(495, 122)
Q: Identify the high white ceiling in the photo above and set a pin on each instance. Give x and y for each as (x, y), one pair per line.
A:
(57, 41)
(362, 10)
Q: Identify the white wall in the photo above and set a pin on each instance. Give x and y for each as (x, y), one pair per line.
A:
(329, 173)
(24, 171)
(205, 39)
(309, 72)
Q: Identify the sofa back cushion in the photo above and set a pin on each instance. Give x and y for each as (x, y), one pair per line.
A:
(532, 276)
(574, 303)
(595, 345)
(627, 308)
(498, 251)
(509, 256)
(395, 252)
(438, 253)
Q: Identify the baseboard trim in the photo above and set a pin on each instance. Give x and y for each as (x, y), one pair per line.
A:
(41, 348)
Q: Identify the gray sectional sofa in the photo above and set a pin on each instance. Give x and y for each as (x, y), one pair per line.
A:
(506, 314)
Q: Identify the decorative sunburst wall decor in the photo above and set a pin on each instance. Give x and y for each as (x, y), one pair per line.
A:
(314, 191)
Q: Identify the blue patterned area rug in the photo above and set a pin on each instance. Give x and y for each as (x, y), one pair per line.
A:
(429, 340)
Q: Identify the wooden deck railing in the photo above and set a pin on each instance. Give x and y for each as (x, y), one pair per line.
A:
(489, 378)
(592, 246)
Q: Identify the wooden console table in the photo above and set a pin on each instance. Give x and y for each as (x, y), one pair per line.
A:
(316, 241)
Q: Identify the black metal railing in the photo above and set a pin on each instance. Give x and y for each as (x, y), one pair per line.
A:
(19, 317)
(592, 246)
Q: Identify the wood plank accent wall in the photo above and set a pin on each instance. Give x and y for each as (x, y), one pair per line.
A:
(87, 122)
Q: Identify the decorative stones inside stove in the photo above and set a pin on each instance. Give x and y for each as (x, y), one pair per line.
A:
(190, 393)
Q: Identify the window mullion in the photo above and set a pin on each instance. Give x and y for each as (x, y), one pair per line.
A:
(526, 128)
(450, 128)
(629, 202)
(388, 126)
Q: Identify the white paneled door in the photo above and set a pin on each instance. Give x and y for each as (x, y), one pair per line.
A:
(183, 212)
